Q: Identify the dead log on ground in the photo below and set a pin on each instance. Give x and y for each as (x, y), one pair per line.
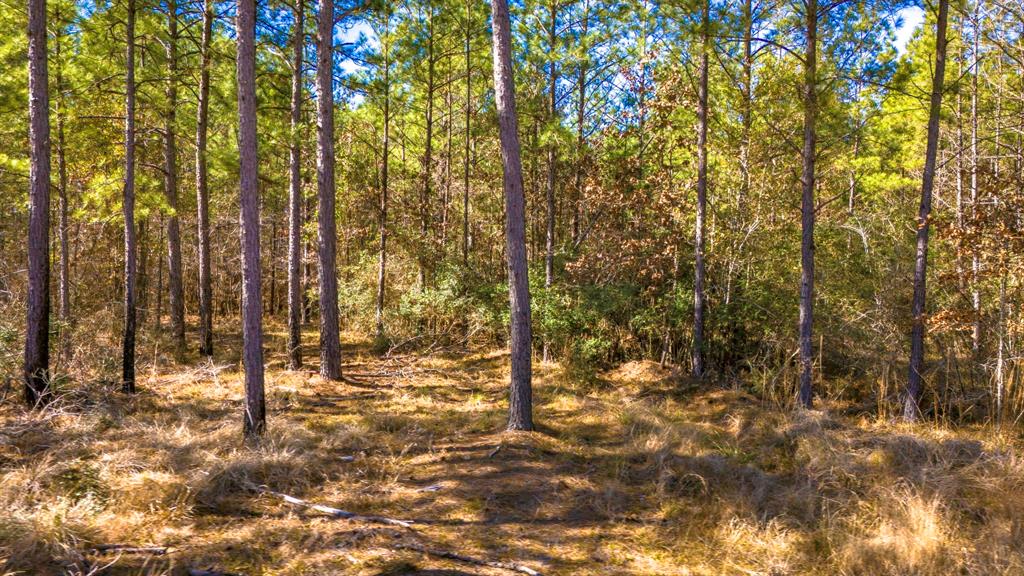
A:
(468, 559)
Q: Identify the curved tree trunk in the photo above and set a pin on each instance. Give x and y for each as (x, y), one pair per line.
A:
(911, 409)
(37, 336)
(330, 346)
(521, 393)
(252, 305)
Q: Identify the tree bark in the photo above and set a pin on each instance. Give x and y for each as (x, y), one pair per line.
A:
(911, 408)
(252, 308)
(295, 196)
(330, 345)
(128, 341)
(64, 282)
(37, 334)
(549, 236)
(428, 159)
(521, 394)
(383, 213)
(807, 205)
(467, 145)
(176, 296)
(202, 190)
(702, 187)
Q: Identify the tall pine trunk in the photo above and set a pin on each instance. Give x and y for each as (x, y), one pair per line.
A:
(330, 346)
(911, 409)
(382, 255)
(252, 308)
(702, 187)
(37, 334)
(295, 196)
(428, 159)
(468, 134)
(549, 236)
(202, 190)
(521, 393)
(128, 341)
(176, 294)
(64, 282)
(807, 205)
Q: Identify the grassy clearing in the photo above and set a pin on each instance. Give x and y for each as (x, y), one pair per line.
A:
(635, 472)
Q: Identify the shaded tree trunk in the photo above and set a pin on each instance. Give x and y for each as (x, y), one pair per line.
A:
(521, 393)
(295, 196)
(807, 205)
(911, 409)
(64, 282)
(202, 190)
(37, 334)
(702, 187)
(467, 144)
(382, 255)
(428, 159)
(330, 345)
(176, 296)
(252, 308)
(128, 341)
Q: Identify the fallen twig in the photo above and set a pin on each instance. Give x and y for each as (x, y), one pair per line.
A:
(468, 559)
(129, 549)
(335, 512)
(194, 572)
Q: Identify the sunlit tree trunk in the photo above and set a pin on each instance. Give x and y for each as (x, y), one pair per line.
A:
(330, 346)
(295, 196)
(467, 144)
(252, 308)
(807, 204)
(911, 409)
(202, 189)
(37, 333)
(549, 236)
(382, 254)
(702, 187)
(128, 341)
(521, 394)
(428, 152)
(64, 282)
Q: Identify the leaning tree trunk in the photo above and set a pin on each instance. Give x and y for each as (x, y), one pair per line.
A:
(176, 294)
(252, 305)
(521, 394)
(128, 342)
(295, 198)
(37, 335)
(330, 346)
(807, 205)
(202, 190)
(702, 188)
(911, 409)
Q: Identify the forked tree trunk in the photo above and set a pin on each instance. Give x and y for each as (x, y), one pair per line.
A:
(295, 196)
(202, 190)
(176, 296)
(252, 307)
(702, 187)
(128, 341)
(807, 205)
(37, 336)
(330, 346)
(521, 393)
(911, 409)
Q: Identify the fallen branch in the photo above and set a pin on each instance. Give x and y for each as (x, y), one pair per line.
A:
(129, 549)
(194, 572)
(468, 559)
(335, 512)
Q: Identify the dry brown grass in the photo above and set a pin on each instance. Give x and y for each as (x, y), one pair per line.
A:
(638, 472)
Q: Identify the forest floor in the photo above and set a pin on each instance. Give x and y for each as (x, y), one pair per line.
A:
(635, 471)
